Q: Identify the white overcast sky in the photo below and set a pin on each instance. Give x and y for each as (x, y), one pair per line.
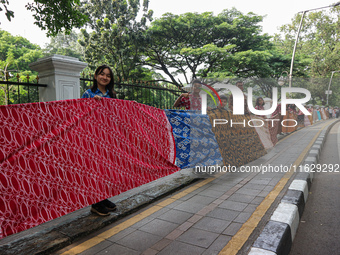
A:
(277, 13)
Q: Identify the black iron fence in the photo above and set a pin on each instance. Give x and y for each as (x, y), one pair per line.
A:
(19, 92)
(157, 95)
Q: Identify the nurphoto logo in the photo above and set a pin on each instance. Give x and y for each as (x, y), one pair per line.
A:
(238, 104)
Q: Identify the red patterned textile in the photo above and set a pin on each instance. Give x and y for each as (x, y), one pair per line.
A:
(57, 157)
(191, 103)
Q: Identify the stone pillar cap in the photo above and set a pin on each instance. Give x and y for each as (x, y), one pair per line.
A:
(58, 62)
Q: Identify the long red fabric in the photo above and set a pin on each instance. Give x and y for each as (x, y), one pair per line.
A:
(57, 157)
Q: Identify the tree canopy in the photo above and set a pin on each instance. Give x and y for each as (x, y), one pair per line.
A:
(53, 16)
(65, 44)
(204, 45)
(178, 48)
(117, 36)
(318, 49)
(16, 52)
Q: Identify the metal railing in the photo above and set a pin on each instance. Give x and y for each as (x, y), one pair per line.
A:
(160, 96)
(157, 95)
(18, 92)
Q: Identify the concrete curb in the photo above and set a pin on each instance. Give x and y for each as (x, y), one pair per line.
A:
(278, 234)
(61, 232)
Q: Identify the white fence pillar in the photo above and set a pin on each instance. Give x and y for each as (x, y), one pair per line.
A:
(61, 74)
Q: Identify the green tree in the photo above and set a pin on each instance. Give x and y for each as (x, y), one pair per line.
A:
(318, 49)
(116, 37)
(205, 45)
(16, 53)
(65, 44)
(54, 16)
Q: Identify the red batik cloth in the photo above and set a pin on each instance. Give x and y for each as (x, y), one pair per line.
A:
(57, 157)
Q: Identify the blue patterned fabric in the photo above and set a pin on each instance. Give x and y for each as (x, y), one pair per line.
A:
(89, 94)
(196, 144)
(319, 115)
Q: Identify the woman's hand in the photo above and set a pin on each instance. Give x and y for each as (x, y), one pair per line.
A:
(97, 97)
(178, 100)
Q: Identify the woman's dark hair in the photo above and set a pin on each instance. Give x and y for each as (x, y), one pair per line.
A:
(196, 81)
(109, 86)
(258, 99)
(224, 97)
(239, 82)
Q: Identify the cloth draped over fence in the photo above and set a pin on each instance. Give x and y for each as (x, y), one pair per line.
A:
(300, 120)
(248, 138)
(318, 115)
(323, 114)
(57, 157)
(239, 143)
(290, 122)
(196, 144)
(308, 119)
(268, 131)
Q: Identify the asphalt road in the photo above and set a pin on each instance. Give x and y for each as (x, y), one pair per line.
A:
(319, 229)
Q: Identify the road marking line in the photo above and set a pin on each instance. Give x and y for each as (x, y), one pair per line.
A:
(129, 222)
(239, 239)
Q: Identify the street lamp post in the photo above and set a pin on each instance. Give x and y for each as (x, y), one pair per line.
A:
(329, 85)
(297, 38)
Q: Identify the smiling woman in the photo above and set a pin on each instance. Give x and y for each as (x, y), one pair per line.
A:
(102, 87)
(103, 83)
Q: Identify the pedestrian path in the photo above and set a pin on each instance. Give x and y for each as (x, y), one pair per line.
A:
(220, 214)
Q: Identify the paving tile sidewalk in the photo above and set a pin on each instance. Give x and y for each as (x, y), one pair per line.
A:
(207, 217)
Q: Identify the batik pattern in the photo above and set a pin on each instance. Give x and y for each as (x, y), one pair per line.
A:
(57, 157)
(196, 144)
(239, 144)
